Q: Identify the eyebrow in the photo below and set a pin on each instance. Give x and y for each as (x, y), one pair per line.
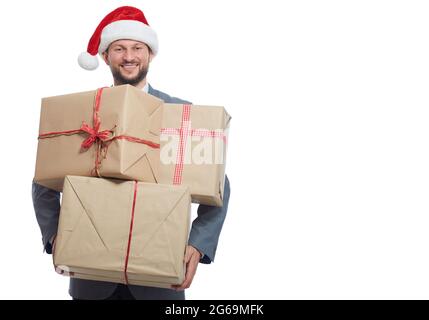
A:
(122, 46)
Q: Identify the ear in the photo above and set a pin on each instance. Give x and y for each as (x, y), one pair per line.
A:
(105, 57)
(151, 55)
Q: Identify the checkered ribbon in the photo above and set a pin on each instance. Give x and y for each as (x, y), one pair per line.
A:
(184, 132)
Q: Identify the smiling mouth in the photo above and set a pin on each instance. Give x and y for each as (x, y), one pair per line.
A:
(129, 66)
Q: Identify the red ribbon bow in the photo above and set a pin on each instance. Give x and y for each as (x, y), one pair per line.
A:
(94, 134)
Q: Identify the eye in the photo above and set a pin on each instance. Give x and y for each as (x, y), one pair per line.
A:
(118, 49)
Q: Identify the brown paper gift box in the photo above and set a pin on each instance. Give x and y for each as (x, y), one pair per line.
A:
(96, 230)
(198, 136)
(125, 110)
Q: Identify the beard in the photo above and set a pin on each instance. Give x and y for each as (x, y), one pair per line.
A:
(120, 79)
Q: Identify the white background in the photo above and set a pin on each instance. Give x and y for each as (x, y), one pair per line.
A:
(328, 156)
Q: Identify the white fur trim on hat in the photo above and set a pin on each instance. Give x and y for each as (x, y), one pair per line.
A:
(87, 61)
(131, 30)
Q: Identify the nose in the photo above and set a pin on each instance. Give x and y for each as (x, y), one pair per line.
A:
(128, 55)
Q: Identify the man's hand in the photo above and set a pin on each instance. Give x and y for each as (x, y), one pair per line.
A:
(192, 257)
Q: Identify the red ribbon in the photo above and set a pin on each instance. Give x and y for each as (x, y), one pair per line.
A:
(130, 233)
(184, 132)
(100, 138)
(94, 135)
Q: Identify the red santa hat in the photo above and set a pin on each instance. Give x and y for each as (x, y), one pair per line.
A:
(122, 23)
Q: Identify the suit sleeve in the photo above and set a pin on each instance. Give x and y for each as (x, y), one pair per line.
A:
(206, 228)
(46, 203)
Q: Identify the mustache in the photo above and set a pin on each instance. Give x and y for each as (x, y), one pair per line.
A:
(130, 61)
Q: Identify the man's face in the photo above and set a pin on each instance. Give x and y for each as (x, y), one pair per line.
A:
(128, 60)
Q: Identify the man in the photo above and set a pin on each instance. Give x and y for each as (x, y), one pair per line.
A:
(127, 45)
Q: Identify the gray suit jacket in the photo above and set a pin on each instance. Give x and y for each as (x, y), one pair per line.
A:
(204, 236)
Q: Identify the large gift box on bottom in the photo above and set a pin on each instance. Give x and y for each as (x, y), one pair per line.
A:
(193, 150)
(110, 132)
(123, 231)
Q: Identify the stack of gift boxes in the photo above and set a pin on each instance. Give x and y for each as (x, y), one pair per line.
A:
(129, 166)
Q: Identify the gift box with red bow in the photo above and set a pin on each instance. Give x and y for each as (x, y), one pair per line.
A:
(110, 132)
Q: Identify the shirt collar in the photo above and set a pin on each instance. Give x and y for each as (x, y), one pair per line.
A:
(146, 87)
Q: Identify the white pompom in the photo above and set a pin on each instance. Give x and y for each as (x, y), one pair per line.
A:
(87, 61)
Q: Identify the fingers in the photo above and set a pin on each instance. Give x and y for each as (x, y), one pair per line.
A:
(192, 258)
(188, 254)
